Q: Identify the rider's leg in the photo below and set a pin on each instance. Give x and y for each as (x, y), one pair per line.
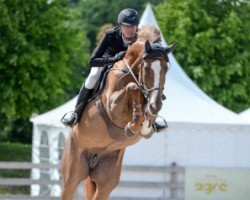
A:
(85, 93)
(158, 126)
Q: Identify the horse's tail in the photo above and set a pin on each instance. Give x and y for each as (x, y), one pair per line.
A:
(89, 188)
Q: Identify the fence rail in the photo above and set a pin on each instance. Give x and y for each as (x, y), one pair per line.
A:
(27, 165)
(173, 184)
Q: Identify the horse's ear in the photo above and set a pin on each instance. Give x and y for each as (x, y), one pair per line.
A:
(170, 48)
(147, 46)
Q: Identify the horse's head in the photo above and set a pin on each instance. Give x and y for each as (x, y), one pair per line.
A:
(153, 71)
(146, 61)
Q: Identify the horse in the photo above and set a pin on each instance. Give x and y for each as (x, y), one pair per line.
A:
(120, 116)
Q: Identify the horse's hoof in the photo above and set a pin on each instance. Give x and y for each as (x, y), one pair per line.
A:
(129, 132)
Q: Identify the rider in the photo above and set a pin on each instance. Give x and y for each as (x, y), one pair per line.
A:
(111, 49)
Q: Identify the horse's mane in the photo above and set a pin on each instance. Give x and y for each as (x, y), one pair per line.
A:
(149, 32)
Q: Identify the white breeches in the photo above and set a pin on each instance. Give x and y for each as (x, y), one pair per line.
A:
(93, 77)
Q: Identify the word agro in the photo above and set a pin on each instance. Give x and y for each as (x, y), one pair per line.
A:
(210, 184)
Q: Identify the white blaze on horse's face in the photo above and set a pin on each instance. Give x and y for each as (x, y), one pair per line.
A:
(155, 104)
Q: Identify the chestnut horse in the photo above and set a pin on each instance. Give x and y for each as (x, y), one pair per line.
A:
(122, 114)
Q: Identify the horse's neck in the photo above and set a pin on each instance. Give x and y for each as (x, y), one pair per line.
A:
(134, 55)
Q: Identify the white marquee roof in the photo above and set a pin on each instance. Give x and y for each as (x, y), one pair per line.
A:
(53, 117)
(245, 114)
(185, 103)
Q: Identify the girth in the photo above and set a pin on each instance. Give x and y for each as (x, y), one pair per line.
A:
(115, 132)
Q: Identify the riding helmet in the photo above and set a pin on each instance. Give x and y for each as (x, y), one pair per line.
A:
(128, 16)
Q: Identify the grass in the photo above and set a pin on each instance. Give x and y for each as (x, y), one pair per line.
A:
(15, 152)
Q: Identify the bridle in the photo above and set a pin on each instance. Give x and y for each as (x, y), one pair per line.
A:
(141, 84)
(154, 51)
(139, 81)
(144, 90)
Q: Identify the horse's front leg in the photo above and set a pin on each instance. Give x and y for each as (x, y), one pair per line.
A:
(137, 119)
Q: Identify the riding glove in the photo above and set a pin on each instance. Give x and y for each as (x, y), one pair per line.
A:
(120, 55)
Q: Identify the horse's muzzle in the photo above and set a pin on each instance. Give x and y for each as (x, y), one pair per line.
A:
(150, 117)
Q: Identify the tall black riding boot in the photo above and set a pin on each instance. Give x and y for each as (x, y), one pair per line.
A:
(72, 118)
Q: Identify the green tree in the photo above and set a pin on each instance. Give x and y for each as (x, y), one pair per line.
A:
(96, 13)
(102, 31)
(214, 45)
(42, 46)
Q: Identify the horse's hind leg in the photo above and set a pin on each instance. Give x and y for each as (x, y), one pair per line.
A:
(106, 174)
(89, 188)
(74, 168)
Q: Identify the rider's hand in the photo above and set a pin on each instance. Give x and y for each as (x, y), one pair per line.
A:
(120, 55)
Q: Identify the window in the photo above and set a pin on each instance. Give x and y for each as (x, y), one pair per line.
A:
(61, 146)
(60, 150)
(44, 158)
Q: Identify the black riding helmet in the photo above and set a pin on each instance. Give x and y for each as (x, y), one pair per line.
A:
(128, 16)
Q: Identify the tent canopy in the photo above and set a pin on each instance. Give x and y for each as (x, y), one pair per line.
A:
(53, 117)
(245, 114)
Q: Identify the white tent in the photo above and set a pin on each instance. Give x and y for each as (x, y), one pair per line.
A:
(201, 132)
(245, 114)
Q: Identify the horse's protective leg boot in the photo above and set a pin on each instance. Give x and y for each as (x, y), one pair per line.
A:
(72, 118)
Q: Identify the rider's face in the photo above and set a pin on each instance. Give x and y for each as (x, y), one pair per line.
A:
(128, 31)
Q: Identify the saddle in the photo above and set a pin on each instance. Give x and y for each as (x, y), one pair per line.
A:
(101, 83)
